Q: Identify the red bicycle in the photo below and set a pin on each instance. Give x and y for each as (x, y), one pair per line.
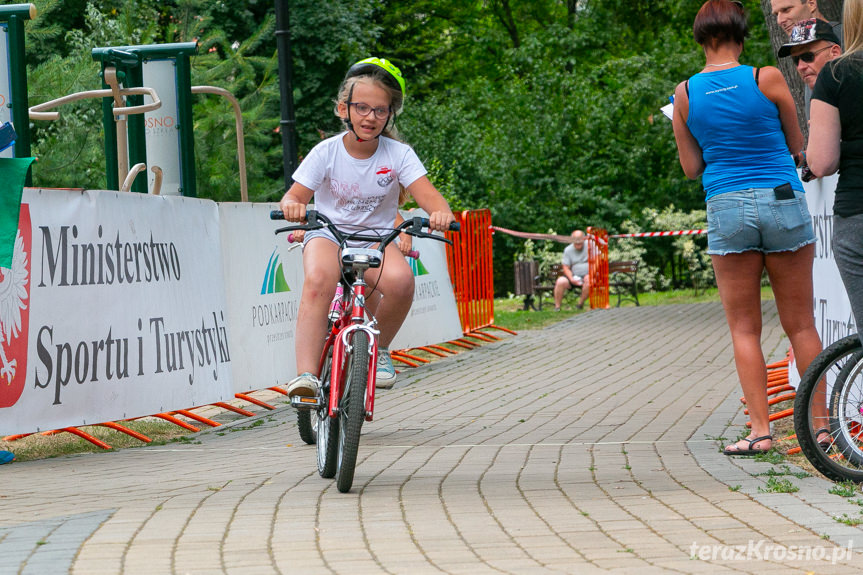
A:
(333, 419)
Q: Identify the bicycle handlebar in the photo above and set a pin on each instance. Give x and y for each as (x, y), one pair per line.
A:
(316, 220)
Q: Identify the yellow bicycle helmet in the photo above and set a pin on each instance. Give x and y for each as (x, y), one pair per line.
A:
(371, 64)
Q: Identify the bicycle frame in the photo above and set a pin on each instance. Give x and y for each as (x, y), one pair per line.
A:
(351, 318)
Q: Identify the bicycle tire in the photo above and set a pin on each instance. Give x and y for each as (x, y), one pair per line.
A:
(305, 426)
(846, 400)
(326, 427)
(352, 409)
(835, 463)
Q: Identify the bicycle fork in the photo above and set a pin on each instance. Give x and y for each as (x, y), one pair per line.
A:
(342, 349)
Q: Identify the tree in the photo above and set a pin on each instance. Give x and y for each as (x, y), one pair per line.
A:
(831, 9)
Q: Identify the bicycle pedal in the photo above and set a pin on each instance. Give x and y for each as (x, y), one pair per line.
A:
(305, 402)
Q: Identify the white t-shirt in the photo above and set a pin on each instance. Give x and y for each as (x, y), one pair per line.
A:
(577, 260)
(358, 192)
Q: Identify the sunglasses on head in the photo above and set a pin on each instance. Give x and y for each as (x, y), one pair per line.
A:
(808, 57)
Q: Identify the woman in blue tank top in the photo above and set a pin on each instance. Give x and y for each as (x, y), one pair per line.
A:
(736, 127)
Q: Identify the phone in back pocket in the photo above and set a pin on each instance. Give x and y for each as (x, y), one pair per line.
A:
(784, 192)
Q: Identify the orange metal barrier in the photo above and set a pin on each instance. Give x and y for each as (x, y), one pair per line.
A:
(470, 270)
(597, 248)
(778, 383)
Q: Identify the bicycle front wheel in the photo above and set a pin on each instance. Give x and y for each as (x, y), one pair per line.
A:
(830, 396)
(352, 409)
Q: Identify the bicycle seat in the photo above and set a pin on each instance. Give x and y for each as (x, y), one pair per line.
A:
(361, 257)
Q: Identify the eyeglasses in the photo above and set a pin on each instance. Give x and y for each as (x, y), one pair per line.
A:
(808, 57)
(381, 112)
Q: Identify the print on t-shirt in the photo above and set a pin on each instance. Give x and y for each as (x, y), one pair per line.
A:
(349, 198)
(385, 176)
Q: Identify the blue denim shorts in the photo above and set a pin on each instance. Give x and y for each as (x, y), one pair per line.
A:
(754, 220)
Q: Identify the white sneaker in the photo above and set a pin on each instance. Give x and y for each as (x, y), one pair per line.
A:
(305, 385)
(385, 377)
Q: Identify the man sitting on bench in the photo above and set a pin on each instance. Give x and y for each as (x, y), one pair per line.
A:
(575, 271)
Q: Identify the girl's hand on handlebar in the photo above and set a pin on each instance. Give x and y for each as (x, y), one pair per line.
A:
(405, 244)
(293, 210)
(440, 221)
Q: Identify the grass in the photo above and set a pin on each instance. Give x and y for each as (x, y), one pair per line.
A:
(844, 489)
(38, 446)
(776, 485)
(848, 520)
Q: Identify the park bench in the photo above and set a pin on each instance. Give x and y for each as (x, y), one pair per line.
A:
(623, 280)
(535, 286)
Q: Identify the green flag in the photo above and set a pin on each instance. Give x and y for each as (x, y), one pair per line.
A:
(13, 171)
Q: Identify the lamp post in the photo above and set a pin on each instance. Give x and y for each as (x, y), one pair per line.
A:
(287, 124)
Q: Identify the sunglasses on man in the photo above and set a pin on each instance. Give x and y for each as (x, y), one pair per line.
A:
(808, 57)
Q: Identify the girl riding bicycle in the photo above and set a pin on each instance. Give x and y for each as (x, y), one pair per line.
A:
(355, 178)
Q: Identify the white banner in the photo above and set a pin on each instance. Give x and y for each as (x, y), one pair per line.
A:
(122, 308)
(263, 281)
(833, 317)
(115, 306)
(433, 317)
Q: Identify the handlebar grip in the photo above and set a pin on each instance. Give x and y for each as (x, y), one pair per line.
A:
(277, 215)
(453, 226)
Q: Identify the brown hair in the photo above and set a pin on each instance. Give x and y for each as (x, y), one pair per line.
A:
(720, 21)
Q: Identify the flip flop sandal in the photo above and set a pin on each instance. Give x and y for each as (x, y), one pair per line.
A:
(734, 450)
(826, 443)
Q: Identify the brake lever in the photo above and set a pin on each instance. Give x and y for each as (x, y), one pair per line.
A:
(433, 237)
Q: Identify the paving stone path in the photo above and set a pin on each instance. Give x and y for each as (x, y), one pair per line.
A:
(586, 447)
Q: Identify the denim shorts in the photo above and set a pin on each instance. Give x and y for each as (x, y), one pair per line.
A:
(754, 220)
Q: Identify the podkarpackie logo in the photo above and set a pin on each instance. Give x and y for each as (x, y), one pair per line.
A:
(274, 278)
(15, 314)
(417, 267)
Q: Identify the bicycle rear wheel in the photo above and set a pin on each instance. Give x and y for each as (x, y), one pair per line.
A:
(307, 423)
(833, 383)
(352, 409)
(326, 427)
(307, 430)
